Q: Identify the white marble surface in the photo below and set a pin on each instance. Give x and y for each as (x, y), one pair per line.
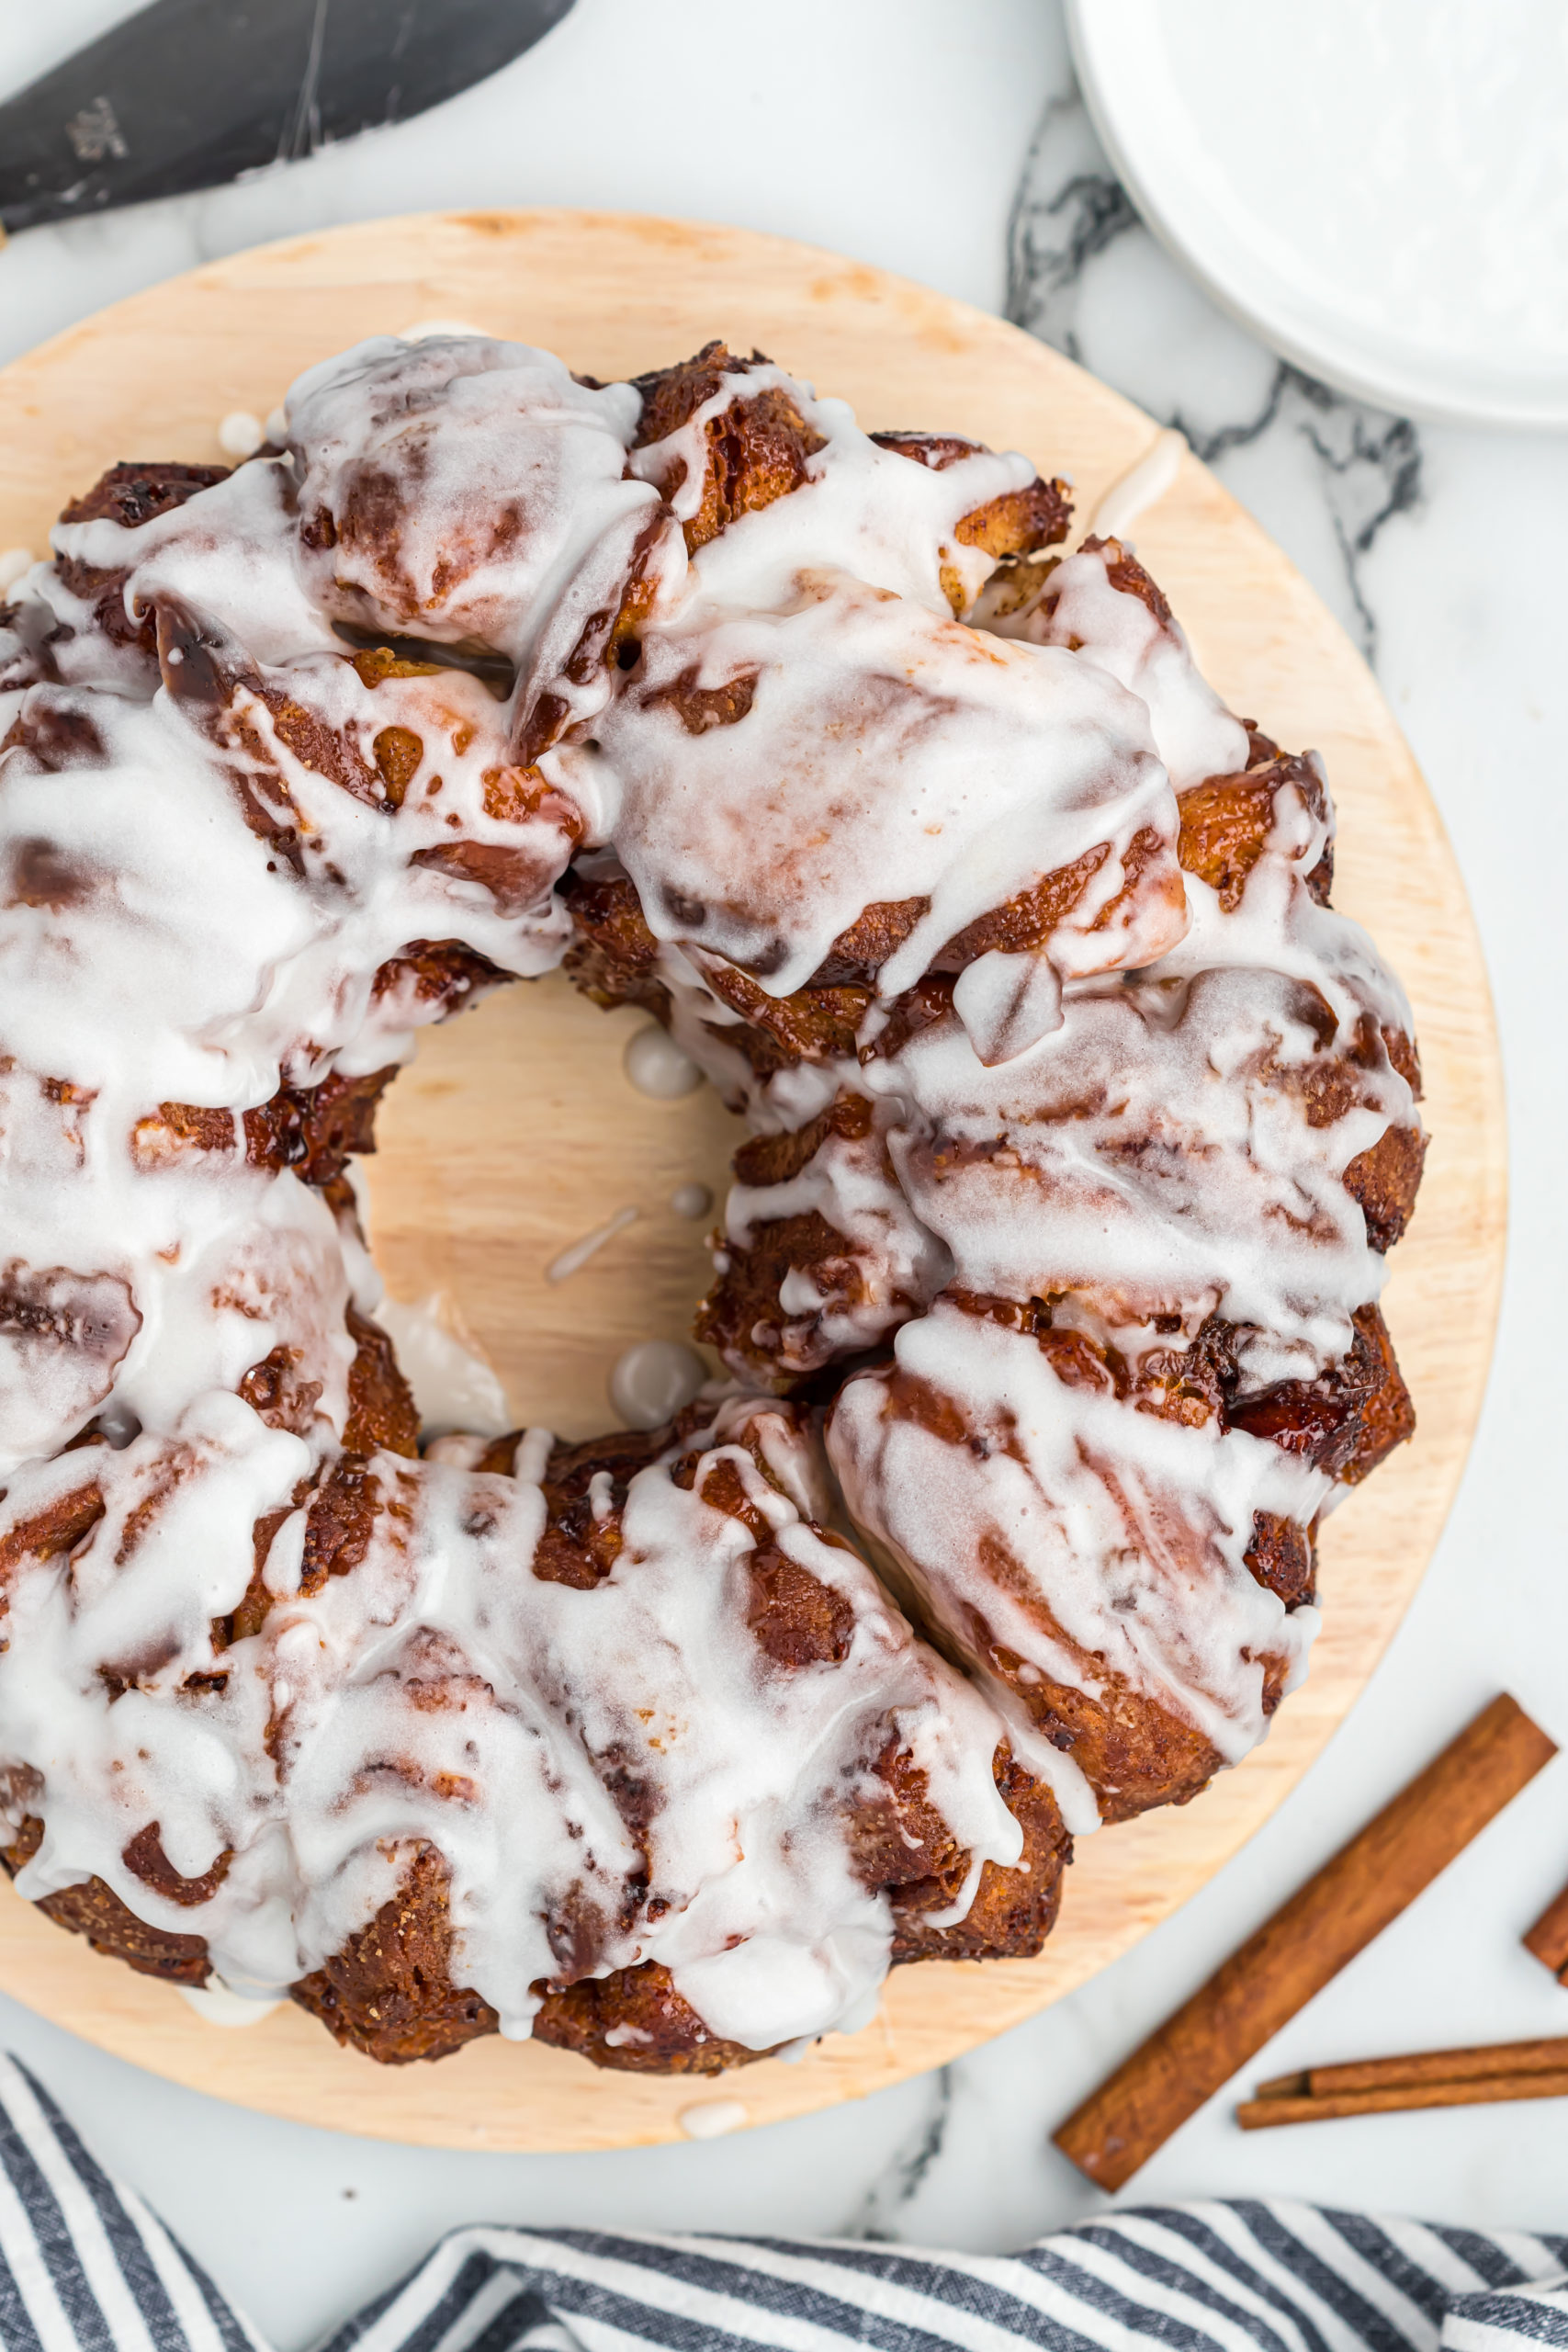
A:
(897, 131)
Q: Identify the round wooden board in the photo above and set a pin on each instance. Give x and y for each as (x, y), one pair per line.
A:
(515, 1131)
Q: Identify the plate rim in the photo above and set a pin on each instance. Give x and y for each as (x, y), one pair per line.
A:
(1343, 366)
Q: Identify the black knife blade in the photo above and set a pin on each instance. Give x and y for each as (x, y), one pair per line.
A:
(187, 94)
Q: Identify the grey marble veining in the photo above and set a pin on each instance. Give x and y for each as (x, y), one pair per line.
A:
(1086, 275)
(883, 2208)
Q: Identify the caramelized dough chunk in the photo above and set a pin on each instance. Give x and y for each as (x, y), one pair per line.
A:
(613, 957)
(813, 1024)
(1322, 1420)
(797, 1620)
(381, 1410)
(94, 1910)
(1018, 524)
(58, 1529)
(316, 1130)
(390, 1991)
(774, 1159)
(441, 973)
(1387, 1414)
(858, 954)
(745, 1300)
(1134, 1753)
(1384, 1180)
(672, 396)
(340, 1523)
(903, 1846)
(757, 449)
(1226, 820)
(1283, 1558)
(133, 494)
(129, 495)
(275, 1389)
(656, 2031)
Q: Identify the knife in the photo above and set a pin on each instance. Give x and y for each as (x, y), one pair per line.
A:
(187, 94)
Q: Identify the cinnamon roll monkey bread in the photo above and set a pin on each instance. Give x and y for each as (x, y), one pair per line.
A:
(1080, 1125)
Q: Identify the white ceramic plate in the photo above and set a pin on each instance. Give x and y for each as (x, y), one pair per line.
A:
(1379, 188)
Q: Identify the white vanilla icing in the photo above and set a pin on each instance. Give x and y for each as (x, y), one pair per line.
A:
(222, 873)
(886, 755)
(655, 1065)
(455, 1387)
(1141, 486)
(240, 435)
(1132, 1527)
(863, 510)
(711, 2119)
(653, 1379)
(1080, 605)
(890, 1259)
(555, 1696)
(218, 2003)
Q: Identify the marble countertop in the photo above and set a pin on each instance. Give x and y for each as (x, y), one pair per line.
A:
(947, 141)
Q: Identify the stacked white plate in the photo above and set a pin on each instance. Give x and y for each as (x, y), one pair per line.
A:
(1379, 188)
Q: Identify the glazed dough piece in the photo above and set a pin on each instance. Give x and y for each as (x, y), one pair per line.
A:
(820, 785)
(625, 1710)
(822, 1256)
(277, 857)
(226, 910)
(769, 775)
(1086, 1556)
(722, 438)
(296, 759)
(1099, 1459)
(467, 495)
(1103, 602)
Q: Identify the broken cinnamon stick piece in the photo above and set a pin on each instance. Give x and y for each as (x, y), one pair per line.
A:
(1490, 2059)
(1549, 1938)
(1395, 2098)
(1293, 1955)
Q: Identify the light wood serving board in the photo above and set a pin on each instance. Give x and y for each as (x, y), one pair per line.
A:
(516, 1131)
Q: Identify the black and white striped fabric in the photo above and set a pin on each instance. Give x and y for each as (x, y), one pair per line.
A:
(85, 2268)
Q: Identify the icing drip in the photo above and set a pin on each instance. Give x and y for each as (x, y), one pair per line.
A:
(1142, 647)
(653, 1380)
(454, 1385)
(748, 1894)
(1141, 487)
(217, 2004)
(1058, 1101)
(713, 2118)
(571, 1261)
(655, 1065)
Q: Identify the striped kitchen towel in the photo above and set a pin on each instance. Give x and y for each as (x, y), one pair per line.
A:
(84, 2266)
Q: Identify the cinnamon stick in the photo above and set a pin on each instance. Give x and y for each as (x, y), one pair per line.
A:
(1258, 2114)
(1293, 1955)
(1495, 2058)
(1549, 1938)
